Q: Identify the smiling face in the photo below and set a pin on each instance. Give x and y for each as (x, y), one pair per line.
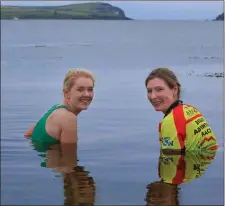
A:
(80, 95)
(160, 94)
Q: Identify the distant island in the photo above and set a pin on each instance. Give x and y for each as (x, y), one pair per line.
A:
(87, 11)
(220, 17)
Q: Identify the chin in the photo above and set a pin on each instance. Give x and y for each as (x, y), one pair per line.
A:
(84, 107)
(158, 109)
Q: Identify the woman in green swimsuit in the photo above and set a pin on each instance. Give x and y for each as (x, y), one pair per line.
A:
(59, 123)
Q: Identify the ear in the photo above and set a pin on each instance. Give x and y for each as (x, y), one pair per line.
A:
(66, 93)
(175, 90)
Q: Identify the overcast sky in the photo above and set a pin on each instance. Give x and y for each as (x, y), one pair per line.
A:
(141, 10)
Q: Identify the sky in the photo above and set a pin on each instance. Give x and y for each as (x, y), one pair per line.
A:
(147, 10)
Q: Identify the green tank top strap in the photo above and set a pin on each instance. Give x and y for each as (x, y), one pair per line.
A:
(62, 106)
(39, 133)
(56, 106)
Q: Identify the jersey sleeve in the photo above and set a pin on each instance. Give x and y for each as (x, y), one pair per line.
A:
(173, 130)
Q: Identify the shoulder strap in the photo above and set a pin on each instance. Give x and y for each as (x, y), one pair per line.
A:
(62, 106)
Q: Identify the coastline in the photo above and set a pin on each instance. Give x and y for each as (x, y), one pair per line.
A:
(82, 11)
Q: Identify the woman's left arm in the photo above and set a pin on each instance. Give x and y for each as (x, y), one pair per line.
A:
(29, 131)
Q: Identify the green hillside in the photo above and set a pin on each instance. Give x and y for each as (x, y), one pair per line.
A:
(73, 11)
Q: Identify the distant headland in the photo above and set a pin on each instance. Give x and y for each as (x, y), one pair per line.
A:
(220, 17)
(87, 11)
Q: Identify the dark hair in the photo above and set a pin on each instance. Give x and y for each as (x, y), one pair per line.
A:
(167, 75)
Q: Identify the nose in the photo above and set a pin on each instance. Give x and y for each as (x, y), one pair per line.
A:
(87, 93)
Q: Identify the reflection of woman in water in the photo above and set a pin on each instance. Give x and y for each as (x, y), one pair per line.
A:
(183, 126)
(79, 187)
(174, 170)
(59, 123)
(160, 193)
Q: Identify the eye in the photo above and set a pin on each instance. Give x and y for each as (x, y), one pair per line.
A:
(80, 89)
(149, 90)
(90, 89)
(158, 89)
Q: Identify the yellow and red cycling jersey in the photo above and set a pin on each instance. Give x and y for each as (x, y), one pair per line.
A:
(185, 127)
(179, 169)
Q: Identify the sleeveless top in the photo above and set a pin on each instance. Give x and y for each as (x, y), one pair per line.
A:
(39, 133)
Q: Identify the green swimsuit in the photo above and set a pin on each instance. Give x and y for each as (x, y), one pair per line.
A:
(39, 133)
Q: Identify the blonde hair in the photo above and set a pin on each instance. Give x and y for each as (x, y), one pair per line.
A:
(74, 74)
(167, 75)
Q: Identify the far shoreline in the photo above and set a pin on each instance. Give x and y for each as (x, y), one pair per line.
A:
(158, 20)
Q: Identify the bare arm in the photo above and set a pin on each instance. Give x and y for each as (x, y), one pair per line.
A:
(67, 159)
(29, 131)
(68, 129)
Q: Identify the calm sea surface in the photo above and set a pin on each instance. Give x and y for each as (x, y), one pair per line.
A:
(118, 147)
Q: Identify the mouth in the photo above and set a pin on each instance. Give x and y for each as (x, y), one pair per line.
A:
(157, 103)
(85, 101)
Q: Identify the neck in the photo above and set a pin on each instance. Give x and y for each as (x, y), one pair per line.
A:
(74, 110)
(174, 104)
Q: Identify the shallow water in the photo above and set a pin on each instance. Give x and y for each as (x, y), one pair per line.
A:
(118, 142)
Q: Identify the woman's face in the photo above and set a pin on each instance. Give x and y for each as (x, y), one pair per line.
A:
(81, 94)
(160, 94)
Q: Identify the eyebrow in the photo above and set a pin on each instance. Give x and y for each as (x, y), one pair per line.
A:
(156, 87)
(84, 87)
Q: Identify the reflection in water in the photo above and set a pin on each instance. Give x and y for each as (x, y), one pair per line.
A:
(79, 187)
(174, 170)
(160, 193)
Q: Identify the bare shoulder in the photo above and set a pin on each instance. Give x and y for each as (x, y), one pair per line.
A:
(64, 116)
(63, 119)
(67, 118)
(68, 125)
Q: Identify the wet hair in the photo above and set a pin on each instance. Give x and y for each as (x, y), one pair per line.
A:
(74, 74)
(167, 75)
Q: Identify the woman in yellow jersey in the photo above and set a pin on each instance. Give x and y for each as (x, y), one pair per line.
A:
(174, 170)
(183, 126)
(59, 123)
